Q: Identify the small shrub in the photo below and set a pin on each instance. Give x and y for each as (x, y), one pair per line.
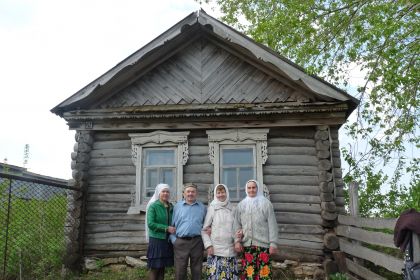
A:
(338, 276)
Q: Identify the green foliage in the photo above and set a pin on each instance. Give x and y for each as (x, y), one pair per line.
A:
(35, 236)
(338, 276)
(330, 38)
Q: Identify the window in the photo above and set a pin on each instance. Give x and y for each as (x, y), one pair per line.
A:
(159, 157)
(237, 156)
(237, 166)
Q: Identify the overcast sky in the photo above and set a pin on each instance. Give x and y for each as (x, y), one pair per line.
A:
(49, 50)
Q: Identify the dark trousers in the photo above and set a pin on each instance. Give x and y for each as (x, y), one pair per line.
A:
(188, 250)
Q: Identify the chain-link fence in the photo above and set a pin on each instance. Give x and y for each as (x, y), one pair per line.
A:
(32, 217)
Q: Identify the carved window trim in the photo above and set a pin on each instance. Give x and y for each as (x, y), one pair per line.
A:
(156, 139)
(239, 136)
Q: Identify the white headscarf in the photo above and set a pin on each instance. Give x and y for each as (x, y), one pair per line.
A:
(155, 197)
(252, 203)
(217, 204)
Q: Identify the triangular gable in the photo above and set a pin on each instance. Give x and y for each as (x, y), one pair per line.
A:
(192, 28)
(204, 73)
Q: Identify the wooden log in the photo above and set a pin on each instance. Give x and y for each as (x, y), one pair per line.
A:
(324, 164)
(112, 170)
(289, 142)
(329, 216)
(293, 189)
(340, 201)
(371, 237)
(292, 160)
(290, 180)
(323, 154)
(324, 176)
(199, 178)
(108, 207)
(300, 243)
(193, 159)
(336, 162)
(111, 162)
(287, 150)
(362, 271)
(330, 266)
(290, 170)
(339, 191)
(297, 132)
(391, 263)
(99, 180)
(114, 254)
(327, 197)
(377, 223)
(111, 136)
(198, 141)
(322, 145)
(327, 187)
(294, 198)
(114, 240)
(115, 247)
(113, 234)
(111, 153)
(198, 150)
(118, 226)
(289, 253)
(297, 207)
(308, 229)
(328, 206)
(305, 237)
(110, 217)
(340, 259)
(111, 188)
(331, 241)
(199, 168)
(109, 197)
(298, 218)
(116, 144)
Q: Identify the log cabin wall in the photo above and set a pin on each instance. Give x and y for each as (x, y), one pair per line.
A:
(290, 174)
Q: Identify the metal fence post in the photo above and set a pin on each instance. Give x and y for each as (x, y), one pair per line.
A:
(9, 205)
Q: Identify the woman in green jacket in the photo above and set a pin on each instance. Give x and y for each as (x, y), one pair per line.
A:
(160, 252)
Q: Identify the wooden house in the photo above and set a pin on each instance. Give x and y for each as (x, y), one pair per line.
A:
(204, 103)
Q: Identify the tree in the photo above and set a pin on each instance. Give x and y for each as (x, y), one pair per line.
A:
(380, 39)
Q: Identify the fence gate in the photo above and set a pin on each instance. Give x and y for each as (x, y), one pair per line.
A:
(32, 217)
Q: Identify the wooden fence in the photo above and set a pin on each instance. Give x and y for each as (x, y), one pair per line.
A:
(356, 237)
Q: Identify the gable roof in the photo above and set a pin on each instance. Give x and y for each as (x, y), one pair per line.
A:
(177, 36)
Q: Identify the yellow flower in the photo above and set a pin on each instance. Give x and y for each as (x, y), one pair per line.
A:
(265, 270)
(223, 274)
(249, 271)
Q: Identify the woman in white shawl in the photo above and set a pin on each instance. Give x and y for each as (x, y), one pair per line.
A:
(221, 261)
(158, 220)
(255, 216)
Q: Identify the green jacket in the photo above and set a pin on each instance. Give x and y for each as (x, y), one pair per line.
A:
(157, 219)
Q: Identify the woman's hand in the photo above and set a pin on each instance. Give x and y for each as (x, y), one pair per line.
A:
(171, 230)
(238, 247)
(273, 250)
(210, 251)
(239, 235)
(208, 231)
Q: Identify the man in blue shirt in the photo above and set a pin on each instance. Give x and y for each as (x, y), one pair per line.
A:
(188, 219)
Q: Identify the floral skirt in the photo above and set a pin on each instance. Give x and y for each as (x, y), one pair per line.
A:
(222, 268)
(256, 264)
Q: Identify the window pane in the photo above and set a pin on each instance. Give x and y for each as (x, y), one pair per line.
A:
(159, 157)
(151, 181)
(167, 176)
(243, 156)
(229, 179)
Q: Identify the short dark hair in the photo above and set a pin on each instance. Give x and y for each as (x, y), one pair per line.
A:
(190, 185)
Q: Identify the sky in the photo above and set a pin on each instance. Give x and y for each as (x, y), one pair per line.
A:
(52, 48)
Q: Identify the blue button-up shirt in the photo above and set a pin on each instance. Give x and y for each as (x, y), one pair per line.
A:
(188, 219)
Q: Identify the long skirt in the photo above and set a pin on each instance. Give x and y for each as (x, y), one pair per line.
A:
(160, 253)
(222, 268)
(256, 263)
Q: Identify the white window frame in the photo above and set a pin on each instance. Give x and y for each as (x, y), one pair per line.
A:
(156, 139)
(239, 136)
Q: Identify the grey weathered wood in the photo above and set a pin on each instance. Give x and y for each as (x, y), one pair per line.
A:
(122, 179)
(117, 144)
(198, 150)
(109, 217)
(114, 240)
(308, 229)
(110, 207)
(111, 188)
(292, 160)
(114, 234)
(340, 201)
(112, 170)
(330, 241)
(362, 271)
(113, 197)
(289, 142)
(284, 198)
(116, 247)
(198, 141)
(298, 218)
(290, 170)
(377, 223)
(391, 263)
(293, 189)
(354, 199)
(199, 178)
(309, 151)
(297, 207)
(371, 237)
(111, 153)
(302, 236)
(116, 226)
(300, 243)
(199, 168)
(111, 136)
(292, 180)
(126, 161)
(198, 160)
(298, 133)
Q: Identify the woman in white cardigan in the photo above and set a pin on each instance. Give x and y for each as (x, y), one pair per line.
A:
(221, 261)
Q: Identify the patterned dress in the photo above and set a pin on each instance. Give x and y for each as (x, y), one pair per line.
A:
(256, 264)
(222, 268)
